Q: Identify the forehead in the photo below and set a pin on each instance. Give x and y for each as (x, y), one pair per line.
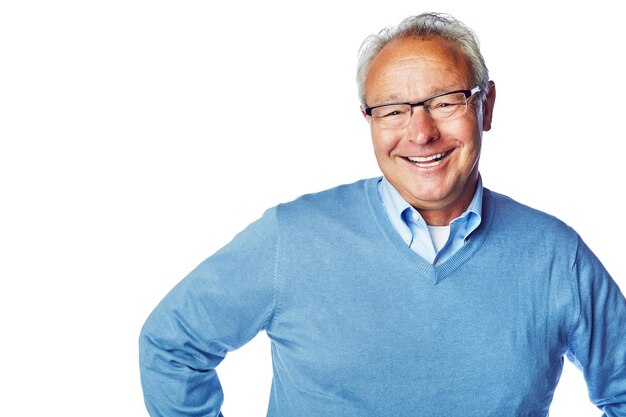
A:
(410, 69)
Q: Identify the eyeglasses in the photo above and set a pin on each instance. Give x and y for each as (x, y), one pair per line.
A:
(445, 106)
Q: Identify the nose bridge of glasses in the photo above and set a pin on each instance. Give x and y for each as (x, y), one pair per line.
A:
(421, 128)
(423, 105)
(420, 120)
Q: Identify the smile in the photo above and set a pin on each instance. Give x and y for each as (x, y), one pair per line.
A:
(427, 161)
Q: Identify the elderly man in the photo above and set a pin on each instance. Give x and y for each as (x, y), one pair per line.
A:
(420, 293)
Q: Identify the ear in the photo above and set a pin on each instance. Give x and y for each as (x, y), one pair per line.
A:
(490, 101)
(363, 112)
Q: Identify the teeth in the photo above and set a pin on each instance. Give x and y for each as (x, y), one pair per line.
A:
(426, 158)
(427, 164)
(427, 161)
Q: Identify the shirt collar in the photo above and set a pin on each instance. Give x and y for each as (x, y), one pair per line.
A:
(476, 205)
(399, 209)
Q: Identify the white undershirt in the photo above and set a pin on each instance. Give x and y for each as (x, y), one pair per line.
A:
(439, 235)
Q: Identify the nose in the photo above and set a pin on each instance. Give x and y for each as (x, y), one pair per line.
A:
(422, 128)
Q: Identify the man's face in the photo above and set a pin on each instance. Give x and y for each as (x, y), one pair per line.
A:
(409, 70)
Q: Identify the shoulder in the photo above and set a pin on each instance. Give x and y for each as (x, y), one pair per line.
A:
(342, 198)
(344, 207)
(526, 222)
(515, 212)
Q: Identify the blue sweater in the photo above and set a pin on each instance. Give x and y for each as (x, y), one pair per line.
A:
(362, 326)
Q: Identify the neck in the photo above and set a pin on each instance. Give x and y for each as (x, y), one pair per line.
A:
(444, 215)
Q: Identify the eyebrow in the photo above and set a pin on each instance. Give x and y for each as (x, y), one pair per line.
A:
(395, 98)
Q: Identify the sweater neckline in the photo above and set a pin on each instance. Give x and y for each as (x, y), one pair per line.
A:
(439, 271)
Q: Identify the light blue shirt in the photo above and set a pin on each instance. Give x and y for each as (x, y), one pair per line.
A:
(414, 231)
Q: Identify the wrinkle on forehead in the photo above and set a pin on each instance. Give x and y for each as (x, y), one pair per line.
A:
(414, 69)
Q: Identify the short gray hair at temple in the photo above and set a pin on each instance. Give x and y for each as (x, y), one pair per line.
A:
(425, 26)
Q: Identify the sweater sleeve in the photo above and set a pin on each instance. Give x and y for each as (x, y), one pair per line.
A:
(217, 308)
(597, 344)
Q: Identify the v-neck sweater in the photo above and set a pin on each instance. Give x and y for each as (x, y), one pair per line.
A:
(360, 325)
(437, 271)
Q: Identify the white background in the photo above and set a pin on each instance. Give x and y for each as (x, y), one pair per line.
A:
(137, 137)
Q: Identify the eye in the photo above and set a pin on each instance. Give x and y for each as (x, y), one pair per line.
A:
(444, 105)
(389, 112)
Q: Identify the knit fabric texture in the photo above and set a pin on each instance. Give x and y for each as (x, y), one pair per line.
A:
(361, 326)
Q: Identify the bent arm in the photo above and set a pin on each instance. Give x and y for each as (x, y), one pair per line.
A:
(217, 308)
(598, 341)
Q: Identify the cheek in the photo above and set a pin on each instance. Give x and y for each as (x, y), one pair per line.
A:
(384, 142)
(466, 132)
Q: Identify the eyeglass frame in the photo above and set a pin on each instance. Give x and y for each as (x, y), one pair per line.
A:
(467, 93)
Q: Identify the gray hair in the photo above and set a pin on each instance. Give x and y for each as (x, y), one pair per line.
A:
(425, 26)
